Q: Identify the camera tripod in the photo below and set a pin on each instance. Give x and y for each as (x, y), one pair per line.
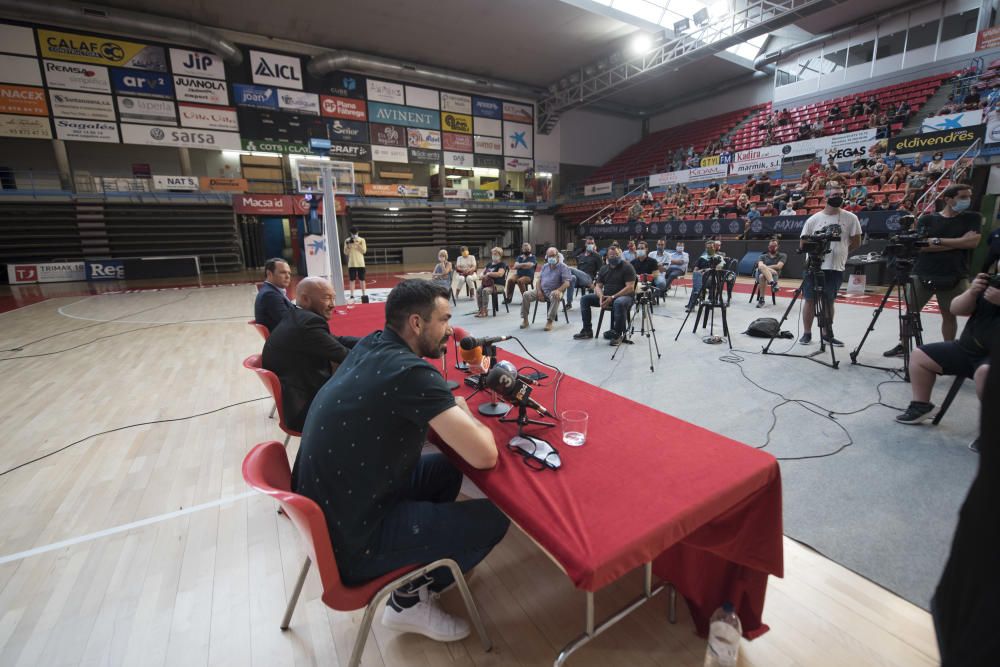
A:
(820, 313)
(709, 298)
(910, 327)
(644, 311)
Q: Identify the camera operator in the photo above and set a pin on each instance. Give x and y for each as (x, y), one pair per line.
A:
(612, 291)
(768, 270)
(968, 357)
(942, 267)
(709, 260)
(833, 263)
(588, 263)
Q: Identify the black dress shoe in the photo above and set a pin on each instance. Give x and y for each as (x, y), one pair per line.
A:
(585, 334)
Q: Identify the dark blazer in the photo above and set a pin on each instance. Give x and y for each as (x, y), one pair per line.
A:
(270, 306)
(300, 351)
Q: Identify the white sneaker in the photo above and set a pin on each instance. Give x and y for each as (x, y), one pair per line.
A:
(426, 618)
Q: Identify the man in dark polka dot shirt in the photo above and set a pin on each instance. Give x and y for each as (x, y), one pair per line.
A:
(386, 505)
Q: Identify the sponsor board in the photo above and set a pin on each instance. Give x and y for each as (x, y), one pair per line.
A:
(988, 39)
(223, 184)
(86, 130)
(20, 70)
(387, 135)
(25, 127)
(348, 130)
(201, 91)
(160, 135)
(77, 76)
(343, 107)
(853, 141)
(197, 63)
(297, 102)
(710, 161)
(280, 204)
(355, 152)
(23, 101)
(518, 164)
(412, 190)
(269, 146)
(255, 96)
(430, 139)
(422, 97)
(597, 189)
(936, 141)
(453, 159)
(487, 107)
(457, 142)
(392, 114)
(47, 272)
(96, 50)
(993, 128)
(487, 126)
(17, 39)
(669, 178)
(136, 82)
(480, 195)
(488, 145)
(455, 122)
(424, 156)
(755, 166)
(344, 84)
(517, 139)
(383, 91)
(383, 190)
(708, 173)
(208, 118)
(105, 269)
(488, 161)
(272, 69)
(456, 103)
(320, 145)
(518, 113)
(389, 154)
(952, 121)
(73, 104)
(184, 183)
(756, 154)
(457, 193)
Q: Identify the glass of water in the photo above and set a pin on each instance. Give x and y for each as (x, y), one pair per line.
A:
(574, 427)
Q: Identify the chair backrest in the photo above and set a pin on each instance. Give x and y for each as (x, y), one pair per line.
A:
(261, 329)
(273, 386)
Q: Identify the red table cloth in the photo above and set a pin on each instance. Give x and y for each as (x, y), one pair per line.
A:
(645, 487)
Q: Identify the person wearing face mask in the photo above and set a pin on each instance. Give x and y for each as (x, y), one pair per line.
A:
(673, 265)
(466, 273)
(524, 273)
(789, 209)
(494, 273)
(588, 263)
(704, 264)
(644, 264)
(936, 166)
(629, 253)
(942, 268)
(613, 291)
(442, 270)
(833, 262)
(553, 281)
(355, 249)
(768, 271)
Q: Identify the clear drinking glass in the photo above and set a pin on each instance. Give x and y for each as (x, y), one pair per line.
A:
(574, 427)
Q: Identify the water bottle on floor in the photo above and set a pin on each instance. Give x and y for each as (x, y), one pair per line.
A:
(724, 632)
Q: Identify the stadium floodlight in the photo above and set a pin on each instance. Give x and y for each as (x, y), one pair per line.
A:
(681, 26)
(701, 16)
(640, 44)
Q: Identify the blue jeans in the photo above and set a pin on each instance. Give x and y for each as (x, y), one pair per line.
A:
(579, 279)
(429, 525)
(664, 279)
(619, 311)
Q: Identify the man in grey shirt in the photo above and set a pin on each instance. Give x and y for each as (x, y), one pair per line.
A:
(674, 265)
(553, 281)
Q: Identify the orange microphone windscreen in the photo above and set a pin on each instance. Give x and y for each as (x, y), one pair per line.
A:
(472, 357)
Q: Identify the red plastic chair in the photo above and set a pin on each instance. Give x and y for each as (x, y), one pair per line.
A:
(261, 329)
(273, 386)
(266, 470)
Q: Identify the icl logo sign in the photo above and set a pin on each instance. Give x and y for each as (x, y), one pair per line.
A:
(270, 68)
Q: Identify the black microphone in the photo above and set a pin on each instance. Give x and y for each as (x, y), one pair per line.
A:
(504, 380)
(470, 342)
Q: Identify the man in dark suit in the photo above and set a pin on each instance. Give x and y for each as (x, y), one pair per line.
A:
(302, 352)
(272, 304)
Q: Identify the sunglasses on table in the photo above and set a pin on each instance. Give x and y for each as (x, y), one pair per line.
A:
(537, 453)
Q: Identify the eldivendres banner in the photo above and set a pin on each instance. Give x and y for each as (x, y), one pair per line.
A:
(936, 141)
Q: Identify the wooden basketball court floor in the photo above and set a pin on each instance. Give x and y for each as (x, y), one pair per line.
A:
(145, 547)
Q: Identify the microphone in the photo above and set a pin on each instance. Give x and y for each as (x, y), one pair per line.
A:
(504, 380)
(470, 342)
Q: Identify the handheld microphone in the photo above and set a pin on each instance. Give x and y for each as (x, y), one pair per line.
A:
(504, 380)
(470, 342)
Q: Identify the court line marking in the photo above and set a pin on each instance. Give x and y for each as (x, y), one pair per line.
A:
(55, 546)
(62, 312)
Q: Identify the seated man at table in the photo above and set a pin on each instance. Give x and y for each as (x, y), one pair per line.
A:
(271, 303)
(612, 291)
(302, 352)
(768, 270)
(524, 272)
(553, 281)
(386, 505)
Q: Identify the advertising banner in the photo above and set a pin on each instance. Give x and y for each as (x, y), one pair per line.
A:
(197, 63)
(354, 152)
(669, 178)
(344, 84)
(383, 91)
(708, 173)
(710, 161)
(317, 255)
(95, 50)
(952, 121)
(380, 190)
(20, 70)
(422, 97)
(348, 130)
(993, 128)
(72, 104)
(387, 135)
(17, 39)
(846, 143)
(937, 141)
(488, 145)
(25, 127)
(86, 130)
(424, 156)
(487, 107)
(456, 103)
(457, 142)
(456, 122)
(104, 269)
(23, 101)
(457, 193)
(271, 69)
(597, 189)
(342, 107)
(412, 190)
(392, 114)
(453, 159)
(430, 139)
(255, 96)
(223, 184)
(297, 102)
(47, 272)
(180, 183)
(988, 39)
(389, 154)
(518, 113)
(278, 205)
(483, 195)
(161, 135)
(517, 139)
(488, 161)
(760, 166)
(75, 76)
(201, 91)
(518, 164)
(269, 146)
(135, 82)
(487, 126)
(752, 154)
(208, 118)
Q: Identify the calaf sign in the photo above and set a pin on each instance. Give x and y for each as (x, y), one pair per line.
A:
(271, 69)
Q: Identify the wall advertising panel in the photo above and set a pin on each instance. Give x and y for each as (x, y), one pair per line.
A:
(988, 39)
(422, 97)
(708, 173)
(597, 189)
(487, 107)
(72, 104)
(296, 102)
(517, 139)
(186, 183)
(343, 84)
(383, 91)
(760, 166)
(669, 178)
(267, 146)
(20, 70)
(517, 113)
(456, 122)
(23, 101)
(209, 118)
(937, 141)
(424, 156)
(518, 164)
(17, 39)
(348, 130)
(457, 193)
(96, 50)
(75, 76)
(487, 126)
(201, 91)
(355, 152)
(457, 142)
(161, 135)
(488, 161)
(49, 272)
(952, 121)
(488, 145)
(387, 135)
(86, 130)
(410, 116)
(343, 107)
(456, 103)
(271, 69)
(197, 63)
(136, 82)
(452, 159)
(223, 184)
(389, 154)
(416, 138)
(255, 96)
(25, 127)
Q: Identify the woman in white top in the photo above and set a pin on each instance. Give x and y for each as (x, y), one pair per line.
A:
(465, 273)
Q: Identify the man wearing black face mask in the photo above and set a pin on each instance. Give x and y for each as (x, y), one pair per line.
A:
(942, 268)
(612, 291)
(588, 263)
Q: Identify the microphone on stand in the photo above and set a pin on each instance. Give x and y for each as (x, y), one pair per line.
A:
(507, 382)
(457, 334)
(470, 342)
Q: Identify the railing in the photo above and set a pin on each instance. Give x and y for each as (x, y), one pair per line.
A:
(614, 205)
(962, 164)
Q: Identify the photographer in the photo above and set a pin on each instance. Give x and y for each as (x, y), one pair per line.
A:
(833, 263)
(709, 260)
(768, 270)
(968, 357)
(942, 268)
(612, 291)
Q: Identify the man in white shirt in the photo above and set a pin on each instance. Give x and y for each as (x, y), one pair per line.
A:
(789, 209)
(833, 262)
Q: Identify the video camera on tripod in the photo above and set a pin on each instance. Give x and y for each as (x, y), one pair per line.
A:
(818, 244)
(645, 290)
(906, 244)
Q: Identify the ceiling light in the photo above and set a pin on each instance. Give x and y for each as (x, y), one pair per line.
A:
(640, 44)
(393, 209)
(701, 16)
(681, 26)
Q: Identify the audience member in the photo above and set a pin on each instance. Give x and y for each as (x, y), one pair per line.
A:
(768, 270)
(937, 166)
(272, 303)
(644, 264)
(442, 270)
(635, 211)
(629, 254)
(494, 273)
(355, 248)
(588, 263)
(672, 266)
(524, 272)
(857, 108)
(466, 271)
(647, 196)
(788, 210)
(553, 281)
(613, 291)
